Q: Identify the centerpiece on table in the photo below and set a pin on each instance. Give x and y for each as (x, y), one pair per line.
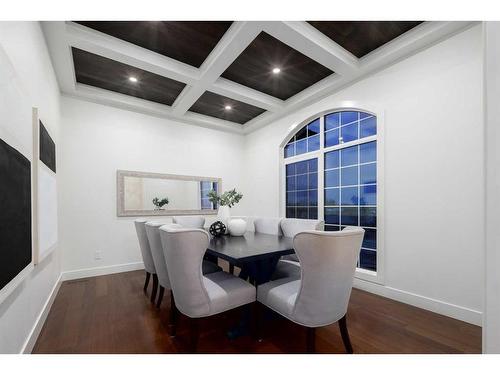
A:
(159, 203)
(236, 227)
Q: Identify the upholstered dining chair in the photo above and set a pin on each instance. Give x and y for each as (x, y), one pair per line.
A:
(147, 258)
(189, 221)
(153, 233)
(268, 225)
(197, 295)
(321, 296)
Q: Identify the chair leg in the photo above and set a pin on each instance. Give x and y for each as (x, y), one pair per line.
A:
(160, 297)
(194, 328)
(231, 269)
(257, 318)
(173, 316)
(345, 334)
(146, 282)
(155, 288)
(311, 338)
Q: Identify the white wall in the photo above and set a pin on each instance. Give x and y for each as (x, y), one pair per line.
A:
(25, 47)
(434, 172)
(491, 325)
(97, 140)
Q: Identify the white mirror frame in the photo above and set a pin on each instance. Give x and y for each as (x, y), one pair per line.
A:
(120, 194)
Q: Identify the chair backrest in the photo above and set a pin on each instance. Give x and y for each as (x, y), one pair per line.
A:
(189, 221)
(147, 258)
(328, 262)
(291, 227)
(153, 233)
(184, 250)
(268, 225)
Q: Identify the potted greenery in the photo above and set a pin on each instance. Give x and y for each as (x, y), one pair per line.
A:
(225, 201)
(159, 203)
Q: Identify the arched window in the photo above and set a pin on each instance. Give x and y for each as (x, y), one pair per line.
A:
(330, 173)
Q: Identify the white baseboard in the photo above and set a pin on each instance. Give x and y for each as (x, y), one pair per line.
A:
(37, 327)
(99, 271)
(444, 308)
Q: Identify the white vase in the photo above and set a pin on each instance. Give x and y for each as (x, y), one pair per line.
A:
(237, 227)
(224, 214)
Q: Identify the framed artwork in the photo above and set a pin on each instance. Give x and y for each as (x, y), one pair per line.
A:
(44, 190)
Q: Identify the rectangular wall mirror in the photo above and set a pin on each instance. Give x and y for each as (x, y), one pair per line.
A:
(157, 194)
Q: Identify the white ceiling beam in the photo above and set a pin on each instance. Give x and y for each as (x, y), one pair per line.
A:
(245, 94)
(101, 96)
(306, 39)
(127, 53)
(234, 41)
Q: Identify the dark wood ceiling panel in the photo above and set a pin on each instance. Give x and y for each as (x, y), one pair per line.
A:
(254, 68)
(363, 37)
(112, 75)
(214, 105)
(187, 41)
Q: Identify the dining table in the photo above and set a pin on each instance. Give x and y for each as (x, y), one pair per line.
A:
(256, 254)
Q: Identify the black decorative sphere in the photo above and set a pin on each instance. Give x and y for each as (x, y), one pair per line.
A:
(217, 229)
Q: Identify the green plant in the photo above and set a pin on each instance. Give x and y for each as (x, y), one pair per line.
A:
(228, 198)
(160, 202)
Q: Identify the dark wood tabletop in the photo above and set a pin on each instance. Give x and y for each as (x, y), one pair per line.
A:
(250, 247)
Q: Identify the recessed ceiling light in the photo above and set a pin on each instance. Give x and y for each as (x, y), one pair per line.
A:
(276, 70)
(227, 107)
(132, 79)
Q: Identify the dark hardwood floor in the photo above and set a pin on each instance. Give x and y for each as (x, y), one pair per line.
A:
(111, 314)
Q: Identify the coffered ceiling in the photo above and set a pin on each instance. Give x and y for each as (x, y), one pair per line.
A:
(234, 76)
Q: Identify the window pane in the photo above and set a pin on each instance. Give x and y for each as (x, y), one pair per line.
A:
(349, 133)
(312, 165)
(332, 197)
(332, 178)
(332, 215)
(349, 176)
(313, 213)
(313, 197)
(368, 260)
(290, 212)
(290, 169)
(349, 216)
(291, 198)
(368, 127)
(349, 156)
(332, 121)
(289, 150)
(347, 117)
(368, 152)
(313, 181)
(332, 138)
(368, 195)
(301, 147)
(302, 198)
(302, 182)
(349, 196)
(332, 160)
(302, 212)
(313, 143)
(368, 217)
(301, 134)
(290, 183)
(370, 239)
(313, 128)
(301, 167)
(363, 115)
(368, 174)
(332, 228)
